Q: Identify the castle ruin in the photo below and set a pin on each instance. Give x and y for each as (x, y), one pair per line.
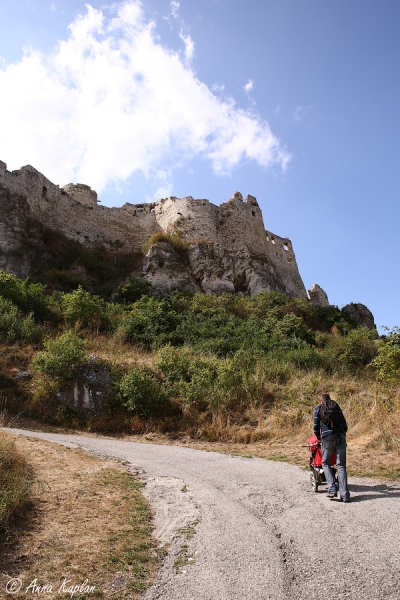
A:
(229, 248)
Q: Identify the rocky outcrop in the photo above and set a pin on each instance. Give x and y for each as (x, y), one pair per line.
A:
(207, 267)
(89, 389)
(361, 314)
(166, 270)
(318, 296)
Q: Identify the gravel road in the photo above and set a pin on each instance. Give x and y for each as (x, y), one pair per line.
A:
(252, 529)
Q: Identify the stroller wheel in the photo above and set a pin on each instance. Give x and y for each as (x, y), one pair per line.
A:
(314, 482)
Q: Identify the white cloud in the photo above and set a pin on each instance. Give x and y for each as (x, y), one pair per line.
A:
(189, 46)
(112, 101)
(300, 112)
(218, 87)
(249, 86)
(53, 7)
(174, 7)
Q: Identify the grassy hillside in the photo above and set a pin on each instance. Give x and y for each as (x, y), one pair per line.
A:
(226, 368)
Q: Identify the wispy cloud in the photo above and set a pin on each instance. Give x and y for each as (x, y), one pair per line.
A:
(174, 7)
(300, 112)
(53, 7)
(189, 46)
(218, 87)
(111, 101)
(249, 86)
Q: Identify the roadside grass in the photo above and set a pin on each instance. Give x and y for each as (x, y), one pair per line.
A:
(15, 484)
(88, 522)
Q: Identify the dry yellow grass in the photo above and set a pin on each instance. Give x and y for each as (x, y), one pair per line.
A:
(118, 352)
(88, 522)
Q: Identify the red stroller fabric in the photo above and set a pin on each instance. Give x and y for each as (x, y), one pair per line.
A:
(316, 453)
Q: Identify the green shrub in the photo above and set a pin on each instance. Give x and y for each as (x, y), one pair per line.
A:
(387, 361)
(175, 363)
(142, 392)
(151, 323)
(132, 291)
(211, 383)
(60, 357)
(67, 414)
(15, 325)
(29, 297)
(358, 347)
(82, 309)
(198, 390)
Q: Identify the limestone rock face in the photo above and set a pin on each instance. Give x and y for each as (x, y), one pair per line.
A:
(167, 272)
(207, 267)
(212, 268)
(89, 390)
(361, 314)
(318, 296)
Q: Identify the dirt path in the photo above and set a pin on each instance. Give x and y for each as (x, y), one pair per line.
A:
(251, 529)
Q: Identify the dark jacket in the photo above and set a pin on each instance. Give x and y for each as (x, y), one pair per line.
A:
(321, 430)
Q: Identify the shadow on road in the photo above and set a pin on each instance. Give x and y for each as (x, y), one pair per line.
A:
(372, 492)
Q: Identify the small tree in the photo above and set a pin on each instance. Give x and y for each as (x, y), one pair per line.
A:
(387, 363)
(142, 392)
(132, 291)
(82, 309)
(60, 357)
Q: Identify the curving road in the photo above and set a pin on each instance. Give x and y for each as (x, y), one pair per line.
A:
(252, 529)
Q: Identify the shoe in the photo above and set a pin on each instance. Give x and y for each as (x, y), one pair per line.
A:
(331, 495)
(344, 499)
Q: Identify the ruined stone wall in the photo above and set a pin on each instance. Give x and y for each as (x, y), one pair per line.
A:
(195, 219)
(124, 228)
(241, 224)
(283, 260)
(234, 225)
(82, 193)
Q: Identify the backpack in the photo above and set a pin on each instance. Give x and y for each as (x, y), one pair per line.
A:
(331, 415)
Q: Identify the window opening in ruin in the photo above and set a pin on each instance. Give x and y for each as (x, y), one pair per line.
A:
(253, 213)
(272, 240)
(267, 238)
(289, 260)
(285, 247)
(44, 191)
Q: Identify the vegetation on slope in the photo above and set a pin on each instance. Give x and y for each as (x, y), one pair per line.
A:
(218, 368)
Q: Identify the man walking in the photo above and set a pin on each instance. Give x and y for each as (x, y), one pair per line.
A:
(330, 427)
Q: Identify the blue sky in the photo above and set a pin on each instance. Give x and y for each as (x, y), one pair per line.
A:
(295, 102)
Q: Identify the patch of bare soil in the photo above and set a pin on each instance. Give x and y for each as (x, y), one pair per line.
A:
(86, 534)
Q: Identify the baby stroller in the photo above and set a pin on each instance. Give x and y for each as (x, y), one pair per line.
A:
(317, 476)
